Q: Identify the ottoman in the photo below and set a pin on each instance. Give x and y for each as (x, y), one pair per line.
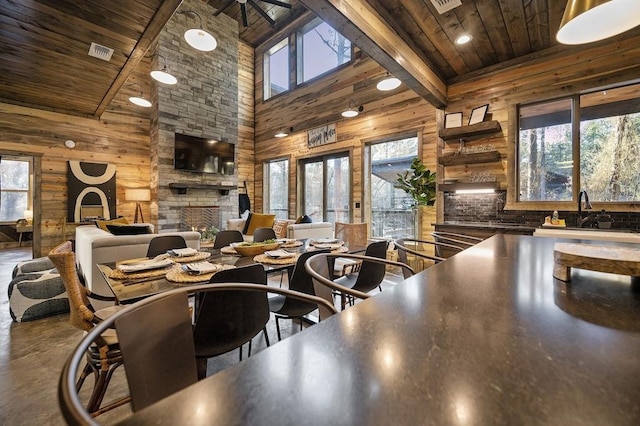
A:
(36, 291)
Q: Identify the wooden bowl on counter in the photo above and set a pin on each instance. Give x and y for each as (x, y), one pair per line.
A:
(252, 249)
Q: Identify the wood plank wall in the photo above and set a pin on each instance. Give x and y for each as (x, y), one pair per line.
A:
(120, 136)
(246, 129)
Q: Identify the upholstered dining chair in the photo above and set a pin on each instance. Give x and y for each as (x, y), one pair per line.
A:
(162, 243)
(263, 234)
(289, 308)
(226, 237)
(324, 286)
(103, 356)
(225, 321)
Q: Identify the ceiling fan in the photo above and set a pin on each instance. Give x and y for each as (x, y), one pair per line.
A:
(252, 3)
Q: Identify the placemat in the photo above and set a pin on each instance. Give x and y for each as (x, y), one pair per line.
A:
(263, 258)
(296, 243)
(201, 255)
(117, 274)
(177, 275)
(228, 250)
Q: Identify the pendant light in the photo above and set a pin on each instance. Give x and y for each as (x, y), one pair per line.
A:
(198, 38)
(586, 21)
(352, 110)
(162, 75)
(388, 83)
(281, 133)
(139, 100)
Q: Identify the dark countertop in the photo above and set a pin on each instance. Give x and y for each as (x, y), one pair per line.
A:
(487, 337)
(490, 225)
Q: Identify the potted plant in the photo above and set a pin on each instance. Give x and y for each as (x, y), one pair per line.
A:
(208, 234)
(420, 183)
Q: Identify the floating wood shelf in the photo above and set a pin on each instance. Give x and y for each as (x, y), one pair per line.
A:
(476, 157)
(182, 187)
(462, 132)
(456, 186)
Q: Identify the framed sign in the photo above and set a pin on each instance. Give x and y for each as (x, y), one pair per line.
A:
(478, 114)
(453, 120)
(322, 135)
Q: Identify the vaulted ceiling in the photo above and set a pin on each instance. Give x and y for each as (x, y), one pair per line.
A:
(44, 61)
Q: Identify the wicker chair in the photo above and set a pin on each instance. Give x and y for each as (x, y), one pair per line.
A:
(104, 356)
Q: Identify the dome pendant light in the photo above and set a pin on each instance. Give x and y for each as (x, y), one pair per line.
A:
(162, 75)
(198, 38)
(586, 21)
(352, 110)
(388, 83)
(139, 100)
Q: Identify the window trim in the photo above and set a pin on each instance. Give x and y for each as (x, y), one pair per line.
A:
(30, 190)
(265, 183)
(266, 75)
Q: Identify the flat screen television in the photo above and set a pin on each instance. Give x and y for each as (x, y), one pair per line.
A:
(195, 154)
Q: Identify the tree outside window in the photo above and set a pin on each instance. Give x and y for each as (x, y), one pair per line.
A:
(14, 189)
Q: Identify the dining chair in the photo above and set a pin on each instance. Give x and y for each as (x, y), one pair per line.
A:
(263, 234)
(157, 347)
(318, 267)
(226, 237)
(166, 341)
(227, 320)
(353, 234)
(288, 308)
(407, 247)
(460, 240)
(163, 243)
(103, 356)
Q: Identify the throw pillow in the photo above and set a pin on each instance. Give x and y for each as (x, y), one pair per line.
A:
(280, 228)
(102, 224)
(258, 220)
(128, 229)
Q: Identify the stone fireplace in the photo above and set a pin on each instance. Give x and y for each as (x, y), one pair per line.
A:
(199, 218)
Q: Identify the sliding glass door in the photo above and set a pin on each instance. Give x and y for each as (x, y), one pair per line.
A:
(326, 188)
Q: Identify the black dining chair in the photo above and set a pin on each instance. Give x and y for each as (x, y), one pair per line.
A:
(162, 243)
(157, 348)
(226, 237)
(288, 308)
(263, 234)
(227, 320)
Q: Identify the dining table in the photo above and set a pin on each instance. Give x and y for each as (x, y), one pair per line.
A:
(129, 288)
(487, 337)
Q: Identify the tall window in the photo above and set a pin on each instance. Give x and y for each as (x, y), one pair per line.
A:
(320, 49)
(602, 152)
(276, 69)
(391, 215)
(14, 188)
(326, 195)
(276, 184)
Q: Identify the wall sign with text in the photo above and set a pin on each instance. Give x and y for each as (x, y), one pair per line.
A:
(322, 135)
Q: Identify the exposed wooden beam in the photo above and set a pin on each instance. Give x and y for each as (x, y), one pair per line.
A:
(365, 27)
(157, 23)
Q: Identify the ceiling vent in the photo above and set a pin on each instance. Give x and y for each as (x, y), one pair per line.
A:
(443, 6)
(101, 52)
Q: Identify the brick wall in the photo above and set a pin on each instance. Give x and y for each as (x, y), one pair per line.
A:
(204, 103)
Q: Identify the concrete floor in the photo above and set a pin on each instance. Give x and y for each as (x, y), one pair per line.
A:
(32, 355)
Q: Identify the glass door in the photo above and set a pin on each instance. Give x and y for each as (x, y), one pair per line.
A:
(327, 188)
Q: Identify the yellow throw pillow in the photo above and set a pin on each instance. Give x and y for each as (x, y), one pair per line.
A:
(259, 220)
(102, 224)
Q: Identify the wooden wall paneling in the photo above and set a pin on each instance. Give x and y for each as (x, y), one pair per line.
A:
(246, 121)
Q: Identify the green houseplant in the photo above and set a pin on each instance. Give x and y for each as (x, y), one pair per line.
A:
(419, 182)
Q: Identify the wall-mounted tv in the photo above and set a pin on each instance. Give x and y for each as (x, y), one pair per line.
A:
(203, 155)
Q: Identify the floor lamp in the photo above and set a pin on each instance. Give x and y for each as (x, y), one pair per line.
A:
(138, 195)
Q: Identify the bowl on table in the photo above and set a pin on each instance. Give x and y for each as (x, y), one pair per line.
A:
(252, 249)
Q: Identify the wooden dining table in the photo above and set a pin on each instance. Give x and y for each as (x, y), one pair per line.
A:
(486, 337)
(129, 291)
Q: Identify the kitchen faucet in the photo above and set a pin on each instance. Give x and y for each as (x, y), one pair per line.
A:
(587, 206)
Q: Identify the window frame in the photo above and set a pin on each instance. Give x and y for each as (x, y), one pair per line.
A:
(266, 60)
(30, 188)
(266, 183)
(513, 155)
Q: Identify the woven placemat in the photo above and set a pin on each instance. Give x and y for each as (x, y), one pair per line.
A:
(228, 250)
(177, 275)
(117, 274)
(201, 255)
(292, 244)
(263, 258)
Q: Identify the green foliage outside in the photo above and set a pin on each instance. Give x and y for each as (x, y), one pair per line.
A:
(419, 182)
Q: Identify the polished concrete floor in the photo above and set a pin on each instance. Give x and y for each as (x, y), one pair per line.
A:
(32, 355)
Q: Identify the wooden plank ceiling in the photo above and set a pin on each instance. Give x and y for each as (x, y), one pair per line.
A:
(44, 61)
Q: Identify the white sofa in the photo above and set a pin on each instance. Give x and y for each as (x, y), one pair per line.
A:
(294, 230)
(94, 245)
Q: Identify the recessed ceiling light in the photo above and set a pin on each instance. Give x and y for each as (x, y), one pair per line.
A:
(464, 39)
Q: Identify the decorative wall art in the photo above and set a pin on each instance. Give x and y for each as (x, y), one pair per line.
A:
(478, 114)
(452, 120)
(322, 135)
(92, 191)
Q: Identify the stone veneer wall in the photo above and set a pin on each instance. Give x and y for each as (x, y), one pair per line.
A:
(204, 103)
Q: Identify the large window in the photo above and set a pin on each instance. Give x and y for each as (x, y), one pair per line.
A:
(327, 190)
(276, 184)
(14, 188)
(276, 69)
(589, 142)
(391, 213)
(320, 49)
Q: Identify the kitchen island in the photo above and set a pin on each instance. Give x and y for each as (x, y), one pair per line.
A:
(487, 337)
